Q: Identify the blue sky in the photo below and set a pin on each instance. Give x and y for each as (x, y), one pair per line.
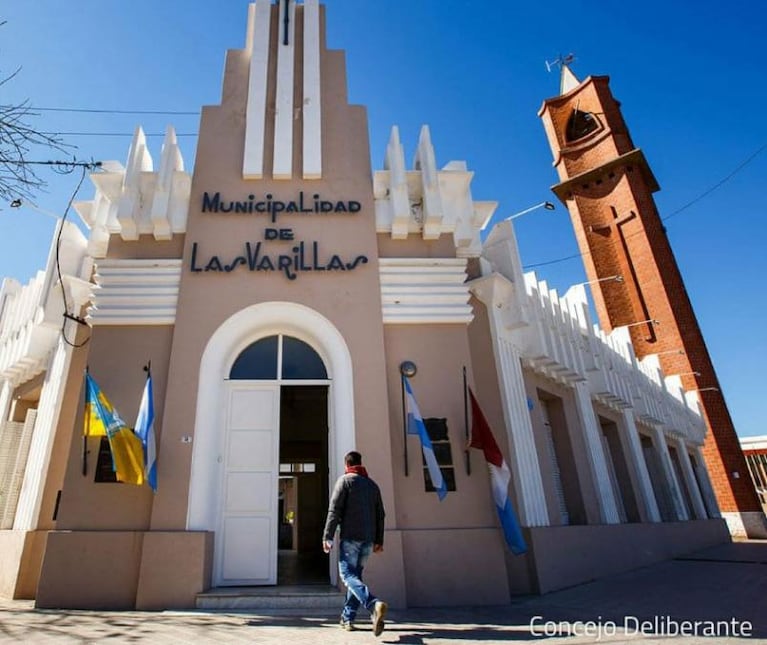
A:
(690, 79)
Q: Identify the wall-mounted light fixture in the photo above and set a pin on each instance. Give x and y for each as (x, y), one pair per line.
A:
(613, 278)
(649, 321)
(669, 351)
(549, 206)
(408, 368)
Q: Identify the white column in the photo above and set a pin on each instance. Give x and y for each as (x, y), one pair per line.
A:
(712, 506)
(255, 113)
(668, 471)
(6, 391)
(284, 103)
(596, 454)
(525, 467)
(635, 454)
(698, 506)
(51, 397)
(312, 106)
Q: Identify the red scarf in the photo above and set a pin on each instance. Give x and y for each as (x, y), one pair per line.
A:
(356, 470)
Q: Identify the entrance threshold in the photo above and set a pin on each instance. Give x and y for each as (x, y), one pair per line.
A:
(298, 597)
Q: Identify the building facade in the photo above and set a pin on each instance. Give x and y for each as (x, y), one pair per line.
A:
(276, 291)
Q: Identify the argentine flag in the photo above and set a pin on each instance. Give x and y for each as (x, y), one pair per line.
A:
(415, 425)
(145, 431)
(500, 475)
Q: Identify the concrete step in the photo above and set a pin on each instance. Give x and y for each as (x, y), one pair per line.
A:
(299, 597)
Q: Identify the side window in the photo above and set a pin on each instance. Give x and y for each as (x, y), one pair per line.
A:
(105, 473)
(437, 430)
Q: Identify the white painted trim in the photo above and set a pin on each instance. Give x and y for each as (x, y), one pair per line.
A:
(424, 291)
(255, 113)
(135, 292)
(40, 449)
(282, 167)
(312, 107)
(753, 443)
(226, 343)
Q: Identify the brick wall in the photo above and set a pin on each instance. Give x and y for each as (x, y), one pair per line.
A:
(607, 187)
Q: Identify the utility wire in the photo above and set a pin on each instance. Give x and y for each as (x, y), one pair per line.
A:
(97, 111)
(116, 134)
(740, 167)
(704, 194)
(67, 315)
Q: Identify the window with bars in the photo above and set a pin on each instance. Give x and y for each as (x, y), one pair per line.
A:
(105, 472)
(440, 442)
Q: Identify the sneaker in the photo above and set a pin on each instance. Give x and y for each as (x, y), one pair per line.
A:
(347, 625)
(379, 611)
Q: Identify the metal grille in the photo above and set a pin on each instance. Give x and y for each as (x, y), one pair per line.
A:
(15, 438)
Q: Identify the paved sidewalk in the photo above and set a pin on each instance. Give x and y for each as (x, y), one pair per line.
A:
(727, 583)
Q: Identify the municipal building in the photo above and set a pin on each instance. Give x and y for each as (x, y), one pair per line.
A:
(277, 291)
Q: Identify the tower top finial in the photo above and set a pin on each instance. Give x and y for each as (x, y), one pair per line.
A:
(567, 80)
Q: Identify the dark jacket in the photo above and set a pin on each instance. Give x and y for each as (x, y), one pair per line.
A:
(357, 507)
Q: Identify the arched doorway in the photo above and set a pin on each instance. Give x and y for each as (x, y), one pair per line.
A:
(263, 373)
(278, 398)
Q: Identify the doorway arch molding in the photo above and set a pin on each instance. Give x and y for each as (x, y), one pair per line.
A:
(232, 336)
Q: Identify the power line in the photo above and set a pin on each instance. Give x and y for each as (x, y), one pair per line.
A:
(99, 111)
(117, 134)
(67, 164)
(740, 167)
(705, 193)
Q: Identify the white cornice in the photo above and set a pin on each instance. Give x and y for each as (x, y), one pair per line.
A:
(135, 292)
(424, 290)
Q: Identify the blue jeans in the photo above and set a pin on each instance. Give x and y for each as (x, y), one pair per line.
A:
(352, 557)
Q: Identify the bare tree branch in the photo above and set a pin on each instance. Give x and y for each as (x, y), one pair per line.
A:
(18, 138)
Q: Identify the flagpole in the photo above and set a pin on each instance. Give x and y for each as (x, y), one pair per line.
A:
(404, 418)
(466, 422)
(87, 425)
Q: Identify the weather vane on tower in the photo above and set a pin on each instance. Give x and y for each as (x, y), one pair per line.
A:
(560, 61)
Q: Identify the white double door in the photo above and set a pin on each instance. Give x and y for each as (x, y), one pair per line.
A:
(246, 540)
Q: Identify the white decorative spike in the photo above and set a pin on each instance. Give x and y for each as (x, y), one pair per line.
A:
(102, 216)
(567, 80)
(398, 196)
(129, 208)
(170, 162)
(425, 161)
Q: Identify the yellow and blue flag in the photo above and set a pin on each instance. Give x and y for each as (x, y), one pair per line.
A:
(102, 419)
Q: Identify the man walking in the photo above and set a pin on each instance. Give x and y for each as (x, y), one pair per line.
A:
(357, 508)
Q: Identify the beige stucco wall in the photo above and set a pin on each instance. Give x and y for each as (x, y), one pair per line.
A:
(570, 555)
(94, 569)
(116, 359)
(22, 554)
(175, 566)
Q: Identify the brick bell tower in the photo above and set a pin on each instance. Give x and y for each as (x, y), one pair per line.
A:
(607, 186)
